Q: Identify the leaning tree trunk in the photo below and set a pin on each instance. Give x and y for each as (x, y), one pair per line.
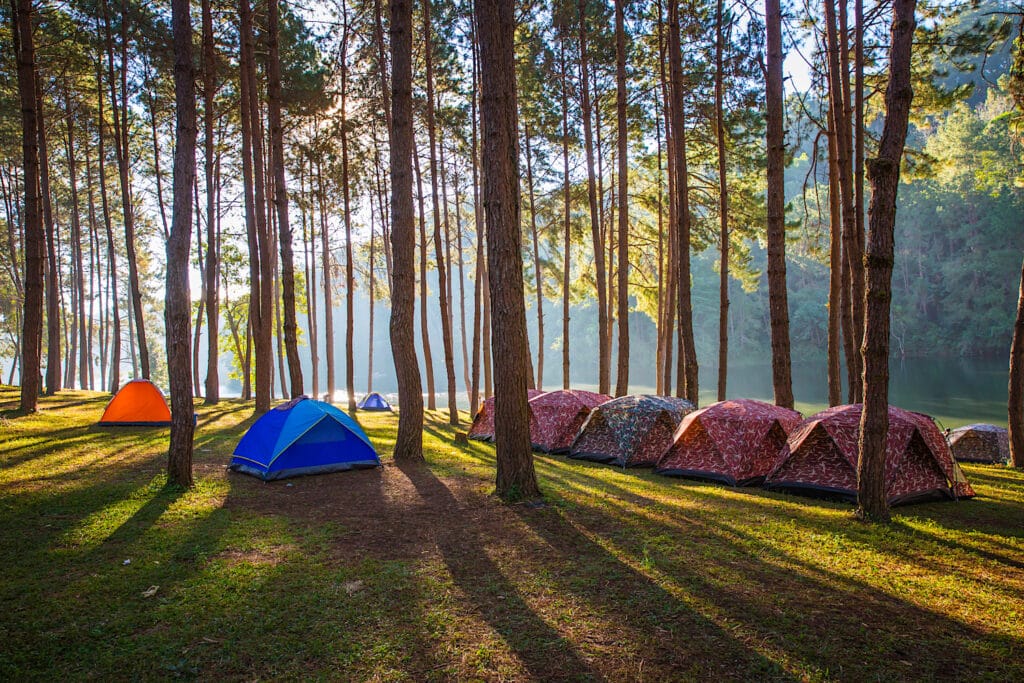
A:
(884, 174)
(409, 443)
(622, 369)
(778, 301)
(178, 302)
(515, 473)
(35, 238)
(1015, 404)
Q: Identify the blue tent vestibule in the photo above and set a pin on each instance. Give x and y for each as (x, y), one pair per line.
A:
(303, 436)
(374, 401)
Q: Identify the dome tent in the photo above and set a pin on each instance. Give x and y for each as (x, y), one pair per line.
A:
(820, 458)
(303, 436)
(631, 431)
(556, 417)
(374, 402)
(736, 442)
(139, 403)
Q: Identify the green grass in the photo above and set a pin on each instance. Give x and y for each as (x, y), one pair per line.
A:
(418, 573)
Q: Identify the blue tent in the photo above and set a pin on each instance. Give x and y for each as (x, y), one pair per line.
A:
(374, 401)
(303, 436)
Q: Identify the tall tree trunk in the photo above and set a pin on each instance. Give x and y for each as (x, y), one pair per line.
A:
(442, 266)
(567, 216)
(212, 237)
(373, 294)
(34, 235)
(284, 228)
(604, 348)
(835, 276)
(53, 326)
(325, 255)
(428, 356)
(687, 380)
(462, 284)
(851, 247)
(723, 203)
(177, 305)
(350, 282)
(119, 115)
(622, 371)
(115, 315)
(409, 443)
(77, 251)
(478, 217)
(262, 280)
(537, 274)
(95, 277)
(884, 174)
(778, 301)
(496, 24)
(309, 258)
(1015, 404)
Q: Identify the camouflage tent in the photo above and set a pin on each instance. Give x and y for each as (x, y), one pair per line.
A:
(631, 431)
(736, 442)
(821, 458)
(482, 428)
(556, 416)
(980, 443)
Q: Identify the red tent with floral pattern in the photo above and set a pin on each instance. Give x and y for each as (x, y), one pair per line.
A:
(630, 431)
(482, 428)
(821, 458)
(556, 417)
(736, 442)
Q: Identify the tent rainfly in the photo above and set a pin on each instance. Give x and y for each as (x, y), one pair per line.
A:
(980, 443)
(139, 403)
(374, 402)
(556, 417)
(630, 431)
(482, 428)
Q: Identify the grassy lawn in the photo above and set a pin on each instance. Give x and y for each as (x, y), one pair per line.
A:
(418, 573)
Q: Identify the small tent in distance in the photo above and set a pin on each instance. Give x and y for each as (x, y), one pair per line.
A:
(374, 402)
(300, 437)
(983, 443)
(139, 403)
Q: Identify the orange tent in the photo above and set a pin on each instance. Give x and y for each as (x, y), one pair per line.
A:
(138, 403)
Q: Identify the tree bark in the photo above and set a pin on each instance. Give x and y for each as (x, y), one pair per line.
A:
(622, 370)
(1015, 404)
(284, 229)
(478, 216)
(177, 305)
(53, 288)
(77, 251)
(409, 443)
(600, 276)
(325, 257)
(515, 478)
(884, 174)
(428, 356)
(34, 235)
(778, 300)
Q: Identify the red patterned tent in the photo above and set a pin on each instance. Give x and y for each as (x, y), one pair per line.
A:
(821, 458)
(631, 431)
(736, 442)
(482, 428)
(556, 416)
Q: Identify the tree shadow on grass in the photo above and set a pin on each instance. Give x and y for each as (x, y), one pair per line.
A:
(803, 615)
(541, 649)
